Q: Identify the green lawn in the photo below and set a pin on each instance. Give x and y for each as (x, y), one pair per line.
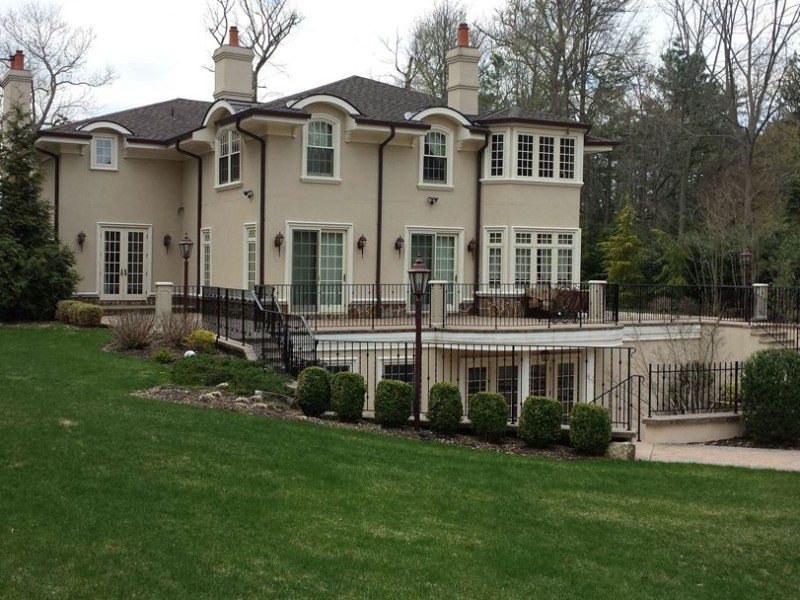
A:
(107, 495)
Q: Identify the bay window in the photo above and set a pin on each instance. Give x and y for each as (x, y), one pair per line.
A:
(497, 155)
(566, 160)
(546, 158)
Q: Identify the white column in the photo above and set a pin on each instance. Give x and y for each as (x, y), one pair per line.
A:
(438, 289)
(524, 384)
(164, 298)
(597, 301)
(760, 292)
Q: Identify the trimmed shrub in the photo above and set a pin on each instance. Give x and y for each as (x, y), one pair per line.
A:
(445, 407)
(201, 340)
(590, 428)
(133, 330)
(540, 421)
(489, 415)
(85, 315)
(62, 310)
(313, 391)
(250, 377)
(163, 356)
(771, 396)
(347, 396)
(176, 327)
(394, 401)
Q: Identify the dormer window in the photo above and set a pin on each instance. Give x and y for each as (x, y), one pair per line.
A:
(104, 153)
(321, 150)
(436, 159)
(229, 158)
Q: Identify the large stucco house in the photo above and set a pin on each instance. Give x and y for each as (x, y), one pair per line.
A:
(327, 196)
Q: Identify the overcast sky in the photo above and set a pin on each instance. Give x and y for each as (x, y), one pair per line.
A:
(159, 48)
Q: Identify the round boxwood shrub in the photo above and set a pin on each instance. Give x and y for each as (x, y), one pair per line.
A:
(201, 340)
(347, 396)
(590, 429)
(85, 315)
(393, 403)
(771, 396)
(62, 310)
(489, 415)
(313, 392)
(540, 421)
(444, 407)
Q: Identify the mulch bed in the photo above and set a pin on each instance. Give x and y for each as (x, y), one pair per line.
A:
(750, 443)
(279, 407)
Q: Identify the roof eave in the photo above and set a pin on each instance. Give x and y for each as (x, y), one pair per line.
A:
(263, 112)
(529, 121)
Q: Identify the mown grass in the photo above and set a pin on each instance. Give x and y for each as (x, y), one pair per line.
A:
(107, 495)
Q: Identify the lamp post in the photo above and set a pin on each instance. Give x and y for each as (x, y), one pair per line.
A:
(418, 275)
(745, 257)
(186, 252)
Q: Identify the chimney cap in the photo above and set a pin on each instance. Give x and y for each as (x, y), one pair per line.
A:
(463, 35)
(234, 36)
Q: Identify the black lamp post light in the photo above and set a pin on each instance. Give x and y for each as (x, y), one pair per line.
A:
(186, 253)
(418, 275)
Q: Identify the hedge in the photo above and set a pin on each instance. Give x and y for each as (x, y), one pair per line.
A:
(313, 391)
(540, 421)
(62, 309)
(444, 407)
(489, 415)
(771, 396)
(590, 429)
(79, 313)
(393, 402)
(347, 396)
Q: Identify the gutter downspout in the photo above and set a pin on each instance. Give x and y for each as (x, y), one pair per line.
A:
(478, 221)
(380, 222)
(261, 197)
(56, 187)
(199, 225)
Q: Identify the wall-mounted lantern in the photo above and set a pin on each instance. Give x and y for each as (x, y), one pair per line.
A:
(81, 237)
(433, 200)
(167, 241)
(249, 194)
(398, 245)
(362, 243)
(279, 241)
(471, 245)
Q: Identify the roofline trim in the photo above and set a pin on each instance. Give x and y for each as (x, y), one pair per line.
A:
(444, 111)
(218, 104)
(388, 122)
(325, 99)
(44, 133)
(105, 124)
(601, 142)
(530, 121)
(263, 111)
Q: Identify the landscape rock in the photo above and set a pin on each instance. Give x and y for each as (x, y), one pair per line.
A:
(242, 400)
(210, 397)
(241, 405)
(223, 385)
(258, 405)
(621, 451)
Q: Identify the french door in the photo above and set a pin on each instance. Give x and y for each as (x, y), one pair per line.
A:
(318, 273)
(125, 263)
(438, 251)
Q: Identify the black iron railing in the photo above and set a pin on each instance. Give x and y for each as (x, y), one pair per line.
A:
(639, 303)
(781, 315)
(286, 342)
(691, 388)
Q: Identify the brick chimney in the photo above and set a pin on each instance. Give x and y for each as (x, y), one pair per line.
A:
(462, 74)
(233, 70)
(17, 84)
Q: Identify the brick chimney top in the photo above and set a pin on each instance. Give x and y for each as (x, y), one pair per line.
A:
(18, 61)
(234, 36)
(463, 35)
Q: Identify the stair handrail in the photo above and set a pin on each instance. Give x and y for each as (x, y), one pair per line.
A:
(282, 336)
(783, 319)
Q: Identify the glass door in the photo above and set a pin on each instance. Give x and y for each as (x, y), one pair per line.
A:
(438, 251)
(124, 263)
(331, 270)
(317, 270)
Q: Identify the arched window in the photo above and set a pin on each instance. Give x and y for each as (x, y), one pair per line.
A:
(228, 158)
(320, 149)
(435, 158)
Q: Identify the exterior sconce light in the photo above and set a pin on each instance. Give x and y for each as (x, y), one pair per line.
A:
(81, 237)
(398, 245)
(279, 242)
(433, 200)
(471, 245)
(362, 243)
(249, 194)
(167, 241)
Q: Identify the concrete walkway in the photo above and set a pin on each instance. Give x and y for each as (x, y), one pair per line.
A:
(753, 458)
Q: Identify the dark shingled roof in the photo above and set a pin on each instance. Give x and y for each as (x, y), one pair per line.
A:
(525, 115)
(158, 122)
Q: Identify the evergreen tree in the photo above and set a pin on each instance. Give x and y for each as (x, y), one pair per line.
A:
(36, 271)
(623, 251)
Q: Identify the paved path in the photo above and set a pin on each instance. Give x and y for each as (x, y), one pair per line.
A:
(753, 458)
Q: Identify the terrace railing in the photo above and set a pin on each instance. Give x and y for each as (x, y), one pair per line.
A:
(781, 316)
(693, 388)
(639, 303)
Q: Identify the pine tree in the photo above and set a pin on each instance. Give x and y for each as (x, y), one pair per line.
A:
(36, 271)
(623, 251)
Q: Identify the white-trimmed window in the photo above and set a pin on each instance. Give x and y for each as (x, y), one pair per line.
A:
(543, 257)
(495, 258)
(564, 265)
(205, 257)
(104, 152)
(525, 154)
(229, 158)
(546, 156)
(497, 154)
(250, 256)
(321, 149)
(566, 158)
(523, 257)
(436, 153)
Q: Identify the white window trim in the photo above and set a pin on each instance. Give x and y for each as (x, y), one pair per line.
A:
(101, 225)
(203, 251)
(484, 283)
(555, 231)
(233, 183)
(511, 158)
(245, 257)
(448, 149)
(337, 154)
(114, 153)
(429, 230)
(487, 156)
